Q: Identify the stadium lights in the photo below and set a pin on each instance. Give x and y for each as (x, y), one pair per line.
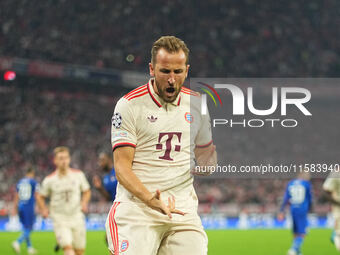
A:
(9, 76)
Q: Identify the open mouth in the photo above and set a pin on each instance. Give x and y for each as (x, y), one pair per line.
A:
(170, 90)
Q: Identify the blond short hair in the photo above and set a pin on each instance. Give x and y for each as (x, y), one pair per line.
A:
(61, 149)
(171, 44)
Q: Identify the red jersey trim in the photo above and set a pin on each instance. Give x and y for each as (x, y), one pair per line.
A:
(189, 92)
(204, 145)
(113, 228)
(123, 144)
(153, 98)
(139, 95)
(136, 90)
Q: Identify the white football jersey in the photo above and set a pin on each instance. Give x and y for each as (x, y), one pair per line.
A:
(332, 184)
(64, 192)
(164, 136)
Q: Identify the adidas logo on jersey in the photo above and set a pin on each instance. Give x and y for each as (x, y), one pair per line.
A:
(152, 118)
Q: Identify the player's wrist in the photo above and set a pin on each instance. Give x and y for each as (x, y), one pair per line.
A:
(148, 198)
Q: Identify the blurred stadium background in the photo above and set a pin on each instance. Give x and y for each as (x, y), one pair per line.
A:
(71, 61)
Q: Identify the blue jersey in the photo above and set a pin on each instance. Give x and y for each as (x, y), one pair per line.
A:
(26, 189)
(299, 196)
(110, 183)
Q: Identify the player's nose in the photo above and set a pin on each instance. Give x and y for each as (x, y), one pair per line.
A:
(171, 80)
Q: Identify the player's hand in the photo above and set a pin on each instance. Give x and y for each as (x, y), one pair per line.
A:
(44, 213)
(157, 204)
(84, 207)
(97, 182)
(281, 216)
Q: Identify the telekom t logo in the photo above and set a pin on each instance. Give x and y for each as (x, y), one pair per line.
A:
(239, 98)
(168, 145)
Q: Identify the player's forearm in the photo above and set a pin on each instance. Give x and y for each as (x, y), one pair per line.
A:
(206, 159)
(15, 203)
(86, 196)
(128, 179)
(41, 202)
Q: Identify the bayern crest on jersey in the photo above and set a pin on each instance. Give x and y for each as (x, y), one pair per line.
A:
(188, 117)
(124, 245)
(117, 120)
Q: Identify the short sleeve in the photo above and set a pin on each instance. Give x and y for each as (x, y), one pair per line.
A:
(123, 128)
(330, 183)
(45, 188)
(84, 184)
(204, 136)
(35, 186)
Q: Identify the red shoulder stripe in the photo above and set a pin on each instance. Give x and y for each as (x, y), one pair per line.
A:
(135, 90)
(136, 93)
(139, 95)
(185, 88)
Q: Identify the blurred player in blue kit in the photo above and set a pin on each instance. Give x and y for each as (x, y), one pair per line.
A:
(108, 184)
(298, 195)
(24, 206)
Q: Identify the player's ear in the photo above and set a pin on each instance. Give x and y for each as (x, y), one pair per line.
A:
(152, 70)
(187, 71)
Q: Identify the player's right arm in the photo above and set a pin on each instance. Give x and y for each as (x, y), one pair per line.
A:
(123, 158)
(40, 197)
(124, 140)
(97, 183)
(281, 214)
(15, 204)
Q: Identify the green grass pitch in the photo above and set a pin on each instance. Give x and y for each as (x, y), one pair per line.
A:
(221, 242)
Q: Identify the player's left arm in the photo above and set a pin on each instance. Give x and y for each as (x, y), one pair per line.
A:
(205, 150)
(285, 201)
(98, 184)
(310, 197)
(206, 157)
(15, 204)
(86, 193)
(85, 199)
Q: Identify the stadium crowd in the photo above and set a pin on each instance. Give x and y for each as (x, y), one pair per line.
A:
(227, 38)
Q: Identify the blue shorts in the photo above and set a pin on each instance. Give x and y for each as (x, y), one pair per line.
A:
(300, 223)
(27, 217)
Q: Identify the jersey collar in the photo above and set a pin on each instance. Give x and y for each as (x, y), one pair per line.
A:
(157, 99)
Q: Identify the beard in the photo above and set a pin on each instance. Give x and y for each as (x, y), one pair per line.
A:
(168, 93)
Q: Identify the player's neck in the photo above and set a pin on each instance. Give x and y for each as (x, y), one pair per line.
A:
(154, 86)
(62, 171)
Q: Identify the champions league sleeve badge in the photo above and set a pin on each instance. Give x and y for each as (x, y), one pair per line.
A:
(117, 120)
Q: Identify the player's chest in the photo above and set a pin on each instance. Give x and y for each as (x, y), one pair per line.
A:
(65, 184)
(161, 122)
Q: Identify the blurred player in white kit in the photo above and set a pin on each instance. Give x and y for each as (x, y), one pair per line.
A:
(332, 188)
(69, 194)
(157, 135)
